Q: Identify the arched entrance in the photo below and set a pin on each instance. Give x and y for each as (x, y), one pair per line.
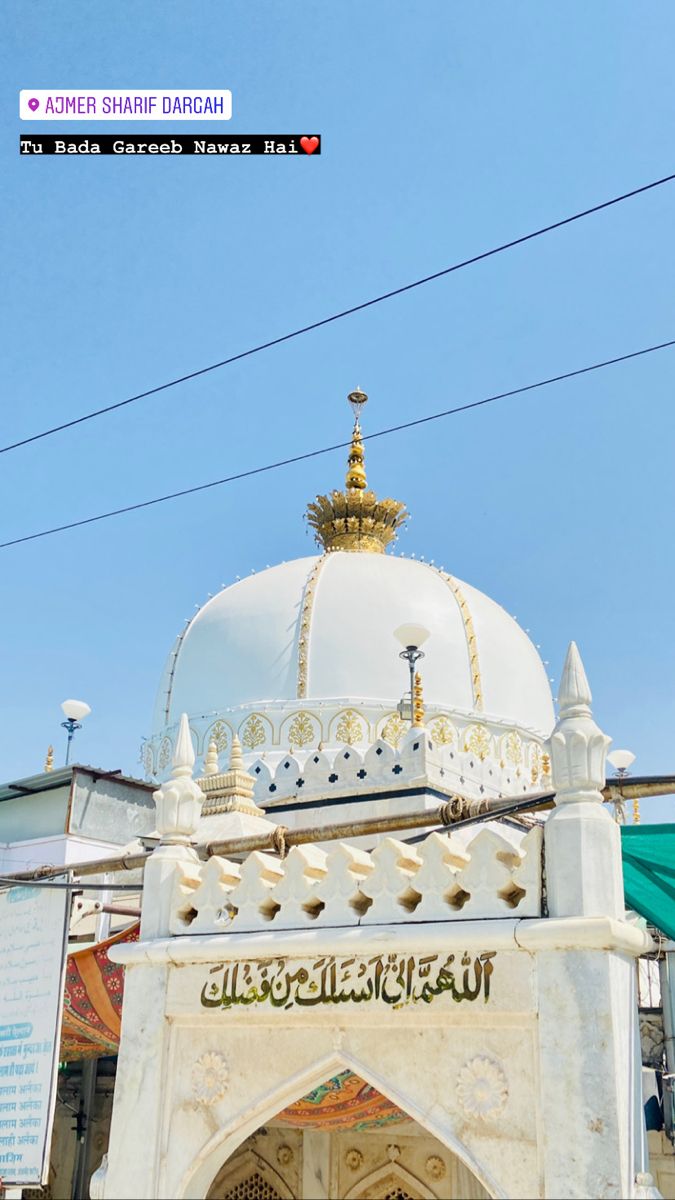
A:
(344, 1140)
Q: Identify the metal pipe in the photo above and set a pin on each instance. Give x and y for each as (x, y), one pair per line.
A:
(85, 1119)
(667, 980)
(459, 810)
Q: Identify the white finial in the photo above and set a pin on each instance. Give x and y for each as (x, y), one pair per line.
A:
(574, 694)
(179, 800)
(211, 760)
(230, 790)
(184, 754)
(578, 747)
(236, 756)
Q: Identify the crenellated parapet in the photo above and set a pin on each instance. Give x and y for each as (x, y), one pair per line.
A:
(419, 758)
(442, 878)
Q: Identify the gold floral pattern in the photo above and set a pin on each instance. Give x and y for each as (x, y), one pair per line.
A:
(535, 763)
(442, 732)
(147, 758)
(253, 733)
(546, 764)
(393, 730)
(218, 734)
(301, 731)
(513, 748)
(164, 754)
(350, 728)
(478, 741)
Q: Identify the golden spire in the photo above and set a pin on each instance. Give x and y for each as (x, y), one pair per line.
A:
(418, 702)
(355, 519)
(49, 761)
(356, 471)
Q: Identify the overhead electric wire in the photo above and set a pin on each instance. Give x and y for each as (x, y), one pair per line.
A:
(285, 462)
(346, 312)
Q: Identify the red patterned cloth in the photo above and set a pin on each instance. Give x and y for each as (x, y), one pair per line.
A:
(92, 1001)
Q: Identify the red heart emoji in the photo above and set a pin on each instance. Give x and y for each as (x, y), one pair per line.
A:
(308, 144)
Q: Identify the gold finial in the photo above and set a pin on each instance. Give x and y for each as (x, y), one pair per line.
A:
(355, 519)
(49, 761)
(636, 811)
(418, 702)
(356, 470)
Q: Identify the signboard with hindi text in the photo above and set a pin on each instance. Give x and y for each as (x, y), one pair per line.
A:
(33, 939)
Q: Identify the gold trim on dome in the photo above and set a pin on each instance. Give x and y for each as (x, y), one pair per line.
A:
(355, 520)
(305, 627)
(470, 633)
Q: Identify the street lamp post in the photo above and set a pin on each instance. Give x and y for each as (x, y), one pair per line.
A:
(411, 637)
(74, 711)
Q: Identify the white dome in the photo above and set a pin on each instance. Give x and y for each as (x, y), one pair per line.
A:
(243, 648)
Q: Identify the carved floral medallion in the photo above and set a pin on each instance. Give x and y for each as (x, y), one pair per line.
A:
(209, 1078)
(482, 1089)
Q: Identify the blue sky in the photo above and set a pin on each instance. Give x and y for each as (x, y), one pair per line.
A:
(447, 129)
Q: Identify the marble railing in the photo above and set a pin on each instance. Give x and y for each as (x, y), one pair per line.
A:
(439, 879)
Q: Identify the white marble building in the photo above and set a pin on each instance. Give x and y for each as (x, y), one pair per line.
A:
(427, 1014)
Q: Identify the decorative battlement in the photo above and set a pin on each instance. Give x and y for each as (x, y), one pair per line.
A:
(420, 759)
(440, 879)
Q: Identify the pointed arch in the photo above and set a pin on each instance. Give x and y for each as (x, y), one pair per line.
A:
(391, 1176)
(206, 1165)
(237, 1169)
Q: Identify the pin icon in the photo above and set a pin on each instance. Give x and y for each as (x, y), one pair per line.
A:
(33, 104)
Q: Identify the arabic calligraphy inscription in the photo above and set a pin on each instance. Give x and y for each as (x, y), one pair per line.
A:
(394, 979)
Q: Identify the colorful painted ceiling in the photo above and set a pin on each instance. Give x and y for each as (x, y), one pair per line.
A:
(343, 1102)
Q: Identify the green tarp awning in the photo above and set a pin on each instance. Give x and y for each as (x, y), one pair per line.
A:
(648, 853)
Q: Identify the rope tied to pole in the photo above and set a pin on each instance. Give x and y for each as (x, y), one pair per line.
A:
(279, 840)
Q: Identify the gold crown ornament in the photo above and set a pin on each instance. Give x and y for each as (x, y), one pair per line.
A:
(355, 520)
